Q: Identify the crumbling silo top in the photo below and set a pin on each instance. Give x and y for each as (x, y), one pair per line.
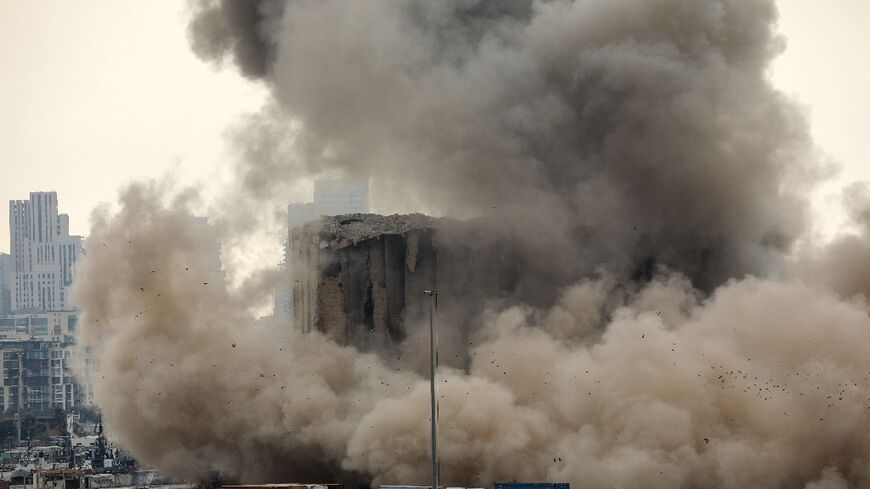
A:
(350, 229)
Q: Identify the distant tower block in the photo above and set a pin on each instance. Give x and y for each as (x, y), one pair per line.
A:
(332, 197)
(43, 254)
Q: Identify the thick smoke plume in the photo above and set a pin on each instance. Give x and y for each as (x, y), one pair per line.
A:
(626, 133)
(238, 27)
(640, 162)
(842, 265)
(763, 384)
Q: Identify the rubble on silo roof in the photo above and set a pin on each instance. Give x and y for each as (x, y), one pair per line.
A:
(351, 229)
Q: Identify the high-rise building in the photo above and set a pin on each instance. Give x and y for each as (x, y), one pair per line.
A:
(38, 376)
(38, 325)
(332, 197)
(43, 254)
(6, 270)
(56, 326)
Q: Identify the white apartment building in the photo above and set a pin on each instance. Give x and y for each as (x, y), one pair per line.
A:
(43, 254)
(6, 271)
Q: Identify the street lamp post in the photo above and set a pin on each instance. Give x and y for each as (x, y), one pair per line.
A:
(20, 392)
(433, 301)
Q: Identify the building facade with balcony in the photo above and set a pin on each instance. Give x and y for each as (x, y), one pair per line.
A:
(43, 254)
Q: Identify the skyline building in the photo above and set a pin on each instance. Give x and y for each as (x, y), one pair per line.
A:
(5, 285)
(43, 254)
(39, 376)
(37, 323)
(332, 197)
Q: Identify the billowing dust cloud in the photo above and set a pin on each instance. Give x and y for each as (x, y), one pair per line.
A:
(650, 124)
(635, 154)
(763, 384)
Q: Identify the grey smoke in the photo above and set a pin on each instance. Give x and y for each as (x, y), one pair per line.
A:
(842, 264)
(575, 125)
(763, 384)
(637, 159)
(239, 29)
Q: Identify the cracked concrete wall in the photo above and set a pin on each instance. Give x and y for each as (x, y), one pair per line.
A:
(360, 279)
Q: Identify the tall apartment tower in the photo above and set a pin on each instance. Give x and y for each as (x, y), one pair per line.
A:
(332, 197)
(43, 254)
(5, 284)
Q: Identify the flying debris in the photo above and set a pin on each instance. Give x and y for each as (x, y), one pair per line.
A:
(604, 168)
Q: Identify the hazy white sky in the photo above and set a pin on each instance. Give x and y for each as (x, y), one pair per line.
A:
(98, 93)
(95, 94)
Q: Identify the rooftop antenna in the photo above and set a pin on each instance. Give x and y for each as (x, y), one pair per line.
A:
(433, 303)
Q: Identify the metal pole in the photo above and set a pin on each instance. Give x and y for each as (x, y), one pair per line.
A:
(433, 294)
(20, 392)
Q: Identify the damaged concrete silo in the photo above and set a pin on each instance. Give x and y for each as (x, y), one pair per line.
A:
(359, 278)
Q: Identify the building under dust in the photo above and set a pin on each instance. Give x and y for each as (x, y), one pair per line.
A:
(360, 278)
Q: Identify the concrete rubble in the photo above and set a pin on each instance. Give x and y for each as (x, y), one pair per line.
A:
(359, 278)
